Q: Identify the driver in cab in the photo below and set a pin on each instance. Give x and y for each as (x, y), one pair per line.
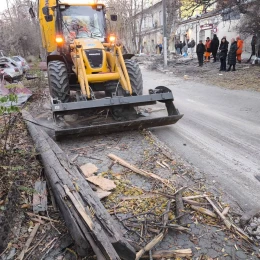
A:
(76, 28)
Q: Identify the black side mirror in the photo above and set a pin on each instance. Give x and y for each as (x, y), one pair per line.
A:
(48, 18)
(31, 12)
(113, 17)
(45, 10)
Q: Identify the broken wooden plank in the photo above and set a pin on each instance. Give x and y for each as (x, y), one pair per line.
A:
(103, 183)
(59, 171)
(40, 197)
(106, 247)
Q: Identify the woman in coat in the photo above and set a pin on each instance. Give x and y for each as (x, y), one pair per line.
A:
(232, 55)
(223, 50)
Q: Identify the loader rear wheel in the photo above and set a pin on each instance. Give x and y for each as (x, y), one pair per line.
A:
(59, 81)
(135, 76)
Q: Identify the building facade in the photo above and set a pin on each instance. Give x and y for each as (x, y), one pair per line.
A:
(197, 27)
(151, 27)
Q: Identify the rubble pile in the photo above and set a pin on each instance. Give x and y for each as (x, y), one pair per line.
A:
(254, 228)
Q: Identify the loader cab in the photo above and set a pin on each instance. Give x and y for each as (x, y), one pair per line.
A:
(82, 21)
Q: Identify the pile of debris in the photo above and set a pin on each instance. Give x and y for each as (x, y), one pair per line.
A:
(136, 216)
(251, 223)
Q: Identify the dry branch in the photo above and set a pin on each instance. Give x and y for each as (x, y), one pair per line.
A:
(170, 254)
(193, 202)
(29, 241)
(226, 221)
(139, 171)
(150, 245)
(180, 206)
(204, 211)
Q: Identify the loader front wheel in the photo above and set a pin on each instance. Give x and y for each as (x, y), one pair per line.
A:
(58, 81)
(135, 76)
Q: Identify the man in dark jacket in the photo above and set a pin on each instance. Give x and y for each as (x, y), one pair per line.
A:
(181, 46)
(200, 52)
(223, 49)
(214, 46)
(232, 55)
(253, 44)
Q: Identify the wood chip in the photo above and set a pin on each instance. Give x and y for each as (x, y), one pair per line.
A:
(103, 183)
(101, 194)
(163, 166)
(225, 211)
(89, 169)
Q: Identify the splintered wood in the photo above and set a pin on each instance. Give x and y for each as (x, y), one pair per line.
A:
(89, 223)
(151, 226)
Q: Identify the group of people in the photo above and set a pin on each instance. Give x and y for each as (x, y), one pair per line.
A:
(232, 54)
(182, 47)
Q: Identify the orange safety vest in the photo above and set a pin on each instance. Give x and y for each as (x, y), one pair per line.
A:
(239, 46)
(207, 45)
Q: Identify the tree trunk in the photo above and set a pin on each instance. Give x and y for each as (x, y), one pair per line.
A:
(86, 218)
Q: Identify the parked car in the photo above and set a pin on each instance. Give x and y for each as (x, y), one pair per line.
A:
(10, 71)
(22, 62)
(14, 63)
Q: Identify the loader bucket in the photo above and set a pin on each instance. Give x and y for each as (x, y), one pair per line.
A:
(117, 102)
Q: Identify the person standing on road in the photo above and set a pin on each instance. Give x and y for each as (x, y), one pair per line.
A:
(181, 46)
(253, 44)
(191, 46)
(200, 52)
(232, 55)
(240, 44)
(214, 47)
(185, 49)
(160, 48)
(223, 50)
(177, 47)
(208, 49)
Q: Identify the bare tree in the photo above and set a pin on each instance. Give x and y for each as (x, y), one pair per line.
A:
(19, 34)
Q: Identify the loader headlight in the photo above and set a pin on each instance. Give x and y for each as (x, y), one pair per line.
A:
(59, 39)
(112, 38)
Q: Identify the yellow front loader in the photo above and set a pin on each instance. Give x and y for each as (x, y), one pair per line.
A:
(90, 77)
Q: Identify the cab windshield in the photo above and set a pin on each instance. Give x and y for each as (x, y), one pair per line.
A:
(83, 22)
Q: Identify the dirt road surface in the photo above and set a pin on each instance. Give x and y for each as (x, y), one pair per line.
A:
(219, 134)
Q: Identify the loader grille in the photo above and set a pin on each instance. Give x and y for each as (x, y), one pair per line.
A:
(95, 58)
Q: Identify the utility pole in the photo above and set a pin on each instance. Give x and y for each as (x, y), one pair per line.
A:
(164, 34)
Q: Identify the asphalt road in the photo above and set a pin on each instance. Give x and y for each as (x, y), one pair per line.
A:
(219, 134)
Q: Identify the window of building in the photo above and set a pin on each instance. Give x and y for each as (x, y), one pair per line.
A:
(161, 17)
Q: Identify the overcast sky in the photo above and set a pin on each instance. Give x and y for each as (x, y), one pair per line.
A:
(2, 5)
